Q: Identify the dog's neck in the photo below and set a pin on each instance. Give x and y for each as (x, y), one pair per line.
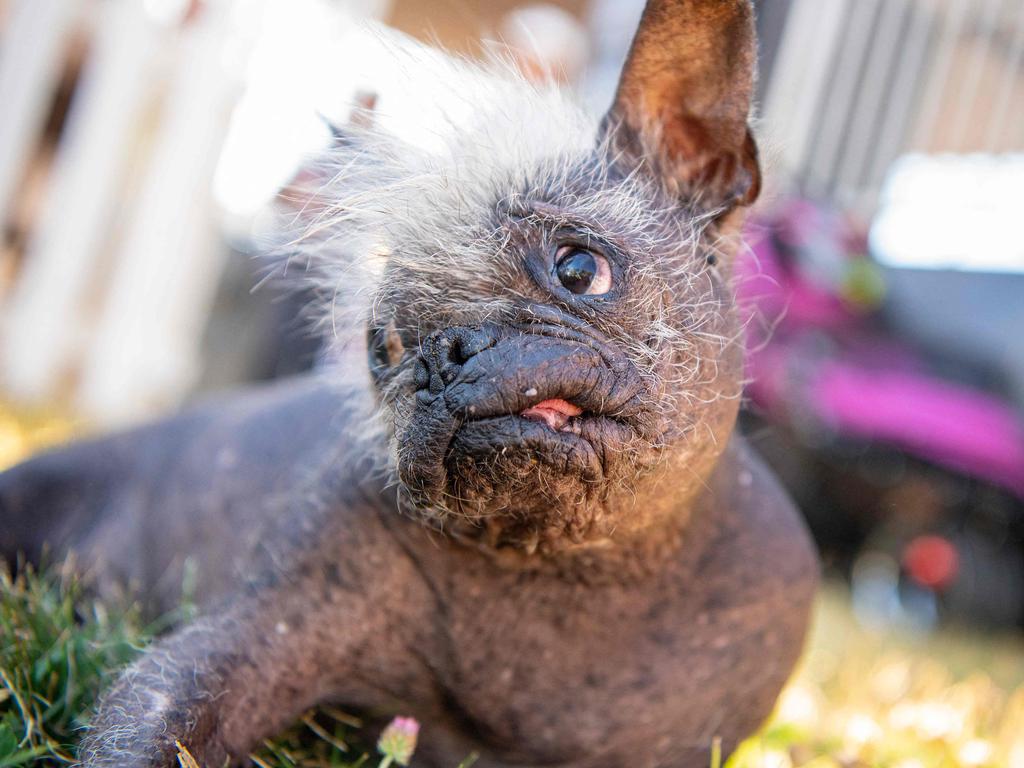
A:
(627, 554)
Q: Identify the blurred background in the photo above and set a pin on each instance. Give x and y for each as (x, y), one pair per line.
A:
(148, 146)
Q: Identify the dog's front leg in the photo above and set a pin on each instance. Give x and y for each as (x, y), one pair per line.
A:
(221, 684)
(215, 687)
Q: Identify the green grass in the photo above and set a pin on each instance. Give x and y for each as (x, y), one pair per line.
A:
(59, 648)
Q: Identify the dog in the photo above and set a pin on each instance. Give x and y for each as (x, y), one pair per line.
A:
(519, 510)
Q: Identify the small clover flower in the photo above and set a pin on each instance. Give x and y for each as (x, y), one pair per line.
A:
(398, 741)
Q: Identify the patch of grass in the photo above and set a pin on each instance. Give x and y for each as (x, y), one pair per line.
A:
(57, 649)
(878, 698)
(327, 737)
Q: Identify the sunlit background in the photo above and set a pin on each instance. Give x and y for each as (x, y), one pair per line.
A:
(146, 147)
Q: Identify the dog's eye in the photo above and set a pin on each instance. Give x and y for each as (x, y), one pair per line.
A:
(582, 271)
(384, 348)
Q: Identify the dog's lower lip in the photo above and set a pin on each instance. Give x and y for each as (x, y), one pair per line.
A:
(569, 449)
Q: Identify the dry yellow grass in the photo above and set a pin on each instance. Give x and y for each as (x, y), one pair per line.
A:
(24, 431)
(893, 700)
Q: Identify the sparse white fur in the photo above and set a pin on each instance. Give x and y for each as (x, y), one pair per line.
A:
(426, 213)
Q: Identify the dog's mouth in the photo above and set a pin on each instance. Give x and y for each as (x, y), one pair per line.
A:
(508, 410)
(560, 415)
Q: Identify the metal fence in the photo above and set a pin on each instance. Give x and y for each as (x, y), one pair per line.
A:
(857, 83)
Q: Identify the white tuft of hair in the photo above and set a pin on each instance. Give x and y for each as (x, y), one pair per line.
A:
(428, 167)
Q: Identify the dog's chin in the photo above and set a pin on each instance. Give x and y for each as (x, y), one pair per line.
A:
(520, 474)
(520, 469)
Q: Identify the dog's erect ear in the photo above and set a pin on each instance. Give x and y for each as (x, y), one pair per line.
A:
(684, 99)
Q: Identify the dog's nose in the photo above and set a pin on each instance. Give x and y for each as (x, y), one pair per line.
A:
(444, 352)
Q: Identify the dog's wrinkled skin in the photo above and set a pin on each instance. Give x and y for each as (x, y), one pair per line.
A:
(611, 580)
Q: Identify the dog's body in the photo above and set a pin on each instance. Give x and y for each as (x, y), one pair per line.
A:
(535, 531)
(348, 601)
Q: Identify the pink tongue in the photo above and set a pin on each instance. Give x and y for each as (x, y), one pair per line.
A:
(555, 412)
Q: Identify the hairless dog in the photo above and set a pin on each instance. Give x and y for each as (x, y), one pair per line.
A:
(516, 508)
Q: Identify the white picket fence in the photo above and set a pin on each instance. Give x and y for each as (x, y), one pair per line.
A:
(106, 304)
(187, 113)
(857, 83)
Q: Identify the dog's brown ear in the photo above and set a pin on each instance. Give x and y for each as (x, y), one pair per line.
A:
(684, 98)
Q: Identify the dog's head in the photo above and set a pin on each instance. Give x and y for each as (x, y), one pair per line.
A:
(551, 333)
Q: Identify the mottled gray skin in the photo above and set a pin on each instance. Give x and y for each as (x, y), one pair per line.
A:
(615, 589)
(314, 588)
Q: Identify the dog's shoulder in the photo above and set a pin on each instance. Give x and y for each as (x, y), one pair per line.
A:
(135, 505)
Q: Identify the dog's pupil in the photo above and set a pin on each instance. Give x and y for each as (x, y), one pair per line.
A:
(576, 270)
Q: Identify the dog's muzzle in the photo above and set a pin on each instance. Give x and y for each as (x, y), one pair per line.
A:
(538, 394)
